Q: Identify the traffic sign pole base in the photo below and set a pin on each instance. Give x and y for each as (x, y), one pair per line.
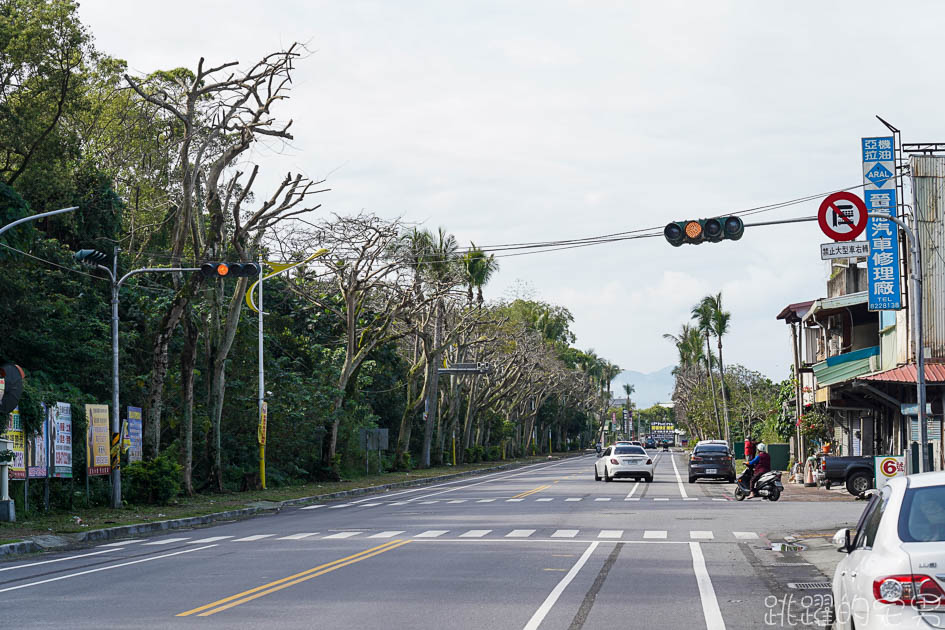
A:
(7, 512)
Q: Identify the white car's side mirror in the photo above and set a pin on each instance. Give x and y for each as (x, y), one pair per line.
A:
(841, 540)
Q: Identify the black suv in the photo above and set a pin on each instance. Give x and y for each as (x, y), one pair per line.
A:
(712, 458)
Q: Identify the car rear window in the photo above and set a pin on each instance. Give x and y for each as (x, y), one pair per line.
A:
(629, 450)
(922, 517)
(712, 448)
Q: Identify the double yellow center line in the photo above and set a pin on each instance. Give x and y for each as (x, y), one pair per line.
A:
(530, 492)
(253, 593)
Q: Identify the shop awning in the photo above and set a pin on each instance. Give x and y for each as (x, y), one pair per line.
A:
(793, 313)
(845, 367)
(826, 306)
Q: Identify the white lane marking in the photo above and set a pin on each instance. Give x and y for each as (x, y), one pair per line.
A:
(457, 501)
(253, 538)
(633, 499)
(475, 533)
(745, 535)
(701, 534)
(565, 533)
(428, 502)
(204, 541)
(682, 490)
(632, 490)
(720, 499)
(371, 504)
(514, 500)
(710, 605)
(342, 505)
(432, 533)
(84, 555)
(544, 500)
(520, 533)
(573, 499)
(610, 533)
(342, 535)
(602, 499)
(691, 499)
(167, 541)
(654, 533)
(399, 503)
(297, 536)
(119, 544)
(114, 566)
(553, 596)
(661, 499)
(485, 500)
(387, 534)
(312, 507)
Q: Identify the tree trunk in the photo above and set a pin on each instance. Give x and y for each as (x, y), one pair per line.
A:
(708, 369)
(724, 395)
(187, 362)
(433, 390)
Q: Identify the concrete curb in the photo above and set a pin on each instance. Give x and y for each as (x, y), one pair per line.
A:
(67, 541)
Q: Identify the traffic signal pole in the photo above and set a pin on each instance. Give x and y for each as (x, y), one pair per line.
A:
(262, 384)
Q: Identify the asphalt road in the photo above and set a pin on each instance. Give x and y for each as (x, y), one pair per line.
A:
(539, 547)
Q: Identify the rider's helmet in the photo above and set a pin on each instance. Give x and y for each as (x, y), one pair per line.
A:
(762, 447)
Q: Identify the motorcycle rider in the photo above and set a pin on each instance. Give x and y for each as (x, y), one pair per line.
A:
(761, 463)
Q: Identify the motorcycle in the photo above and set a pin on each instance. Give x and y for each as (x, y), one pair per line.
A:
(768, 486)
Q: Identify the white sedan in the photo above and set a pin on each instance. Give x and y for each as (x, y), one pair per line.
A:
(893, 573)
(623, 460)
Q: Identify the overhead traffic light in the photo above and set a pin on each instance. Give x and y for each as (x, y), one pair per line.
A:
(230, 269)
(90, 257)
(697, 231)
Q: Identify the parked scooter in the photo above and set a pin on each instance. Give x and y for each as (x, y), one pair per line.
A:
(768, 486)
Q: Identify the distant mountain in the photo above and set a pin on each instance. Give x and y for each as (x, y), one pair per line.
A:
(651, 388)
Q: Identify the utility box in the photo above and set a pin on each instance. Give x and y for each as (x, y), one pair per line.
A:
(739, 450)
(780, 456)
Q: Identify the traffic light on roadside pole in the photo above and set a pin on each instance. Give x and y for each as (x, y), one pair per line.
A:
(90, 257)
(697, 231)
(229, 269)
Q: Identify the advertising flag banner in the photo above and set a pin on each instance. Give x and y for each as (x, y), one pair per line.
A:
(39, 450)
(60, 423)
(14, 433)
(879, 194)
(135, 445)
(263, 419)
(96, 444)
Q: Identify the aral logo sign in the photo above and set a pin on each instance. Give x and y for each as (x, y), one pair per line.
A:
(888, 467)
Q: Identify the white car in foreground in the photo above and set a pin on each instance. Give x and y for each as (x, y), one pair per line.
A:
(624, 460)
(893, 573)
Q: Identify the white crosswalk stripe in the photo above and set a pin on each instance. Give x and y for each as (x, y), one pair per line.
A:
(610, 533)
(632, 499)
(717, 499)
(432, 533)
(602, 499)
(387, 534)
(514, 500)
(335, 507)
(475, 533)
(485, 500)
(573, 499)
(342, 535)
(298, 536)
(546, 499)
(661, 499)
(457, 501)
(745, 535)
(253, 538)
(121, 543)
(166, 541)
(565, 533)
(520, 533)
(399, 503)
(370, 504)
(650, 533)
(701, 535)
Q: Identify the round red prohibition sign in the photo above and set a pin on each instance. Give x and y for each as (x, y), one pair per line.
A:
(842, 216)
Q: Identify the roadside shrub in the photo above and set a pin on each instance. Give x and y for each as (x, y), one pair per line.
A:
(153, 482)
(494, 454)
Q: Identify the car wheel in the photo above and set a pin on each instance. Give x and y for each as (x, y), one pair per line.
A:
(649, 478)
(596, 476)
(827, 485)
(607, 476)
(692, 479)
(858, 483)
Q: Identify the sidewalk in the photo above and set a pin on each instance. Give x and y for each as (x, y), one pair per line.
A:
(798, 492)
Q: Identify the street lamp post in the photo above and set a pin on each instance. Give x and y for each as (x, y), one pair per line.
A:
(91, 258)
(42, 215)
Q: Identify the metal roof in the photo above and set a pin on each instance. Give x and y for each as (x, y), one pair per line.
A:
(838, 302)
(794, 312)
(934, 373)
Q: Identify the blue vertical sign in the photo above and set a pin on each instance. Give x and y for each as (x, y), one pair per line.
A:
(879, 193)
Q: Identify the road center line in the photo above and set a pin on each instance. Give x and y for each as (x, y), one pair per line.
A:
(549, 602)
(710, 605)
(682, 490)
(522, 495)
(108, 568)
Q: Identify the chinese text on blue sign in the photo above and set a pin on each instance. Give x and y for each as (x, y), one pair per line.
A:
(879, 193)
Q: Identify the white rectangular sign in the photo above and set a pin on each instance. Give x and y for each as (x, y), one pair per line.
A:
(849, 249)
(887, 467)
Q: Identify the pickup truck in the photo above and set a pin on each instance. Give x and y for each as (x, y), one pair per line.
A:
(854, 471)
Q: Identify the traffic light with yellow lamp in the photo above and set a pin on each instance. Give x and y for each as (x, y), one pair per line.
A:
(229, 269)
(696, 231)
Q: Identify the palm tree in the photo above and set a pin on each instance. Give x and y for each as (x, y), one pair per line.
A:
(629, 389)
(479, 270)
(720, 323)
(702, 313)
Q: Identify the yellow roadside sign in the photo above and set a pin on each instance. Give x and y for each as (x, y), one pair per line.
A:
(277, 269)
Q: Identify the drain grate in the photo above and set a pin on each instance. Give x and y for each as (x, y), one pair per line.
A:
(809, 586)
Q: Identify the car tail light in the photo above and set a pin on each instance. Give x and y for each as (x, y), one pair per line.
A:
(695, 459)
(649, 461)
(908, 590)
(726, 459)
(613, 461)
(823, 465)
